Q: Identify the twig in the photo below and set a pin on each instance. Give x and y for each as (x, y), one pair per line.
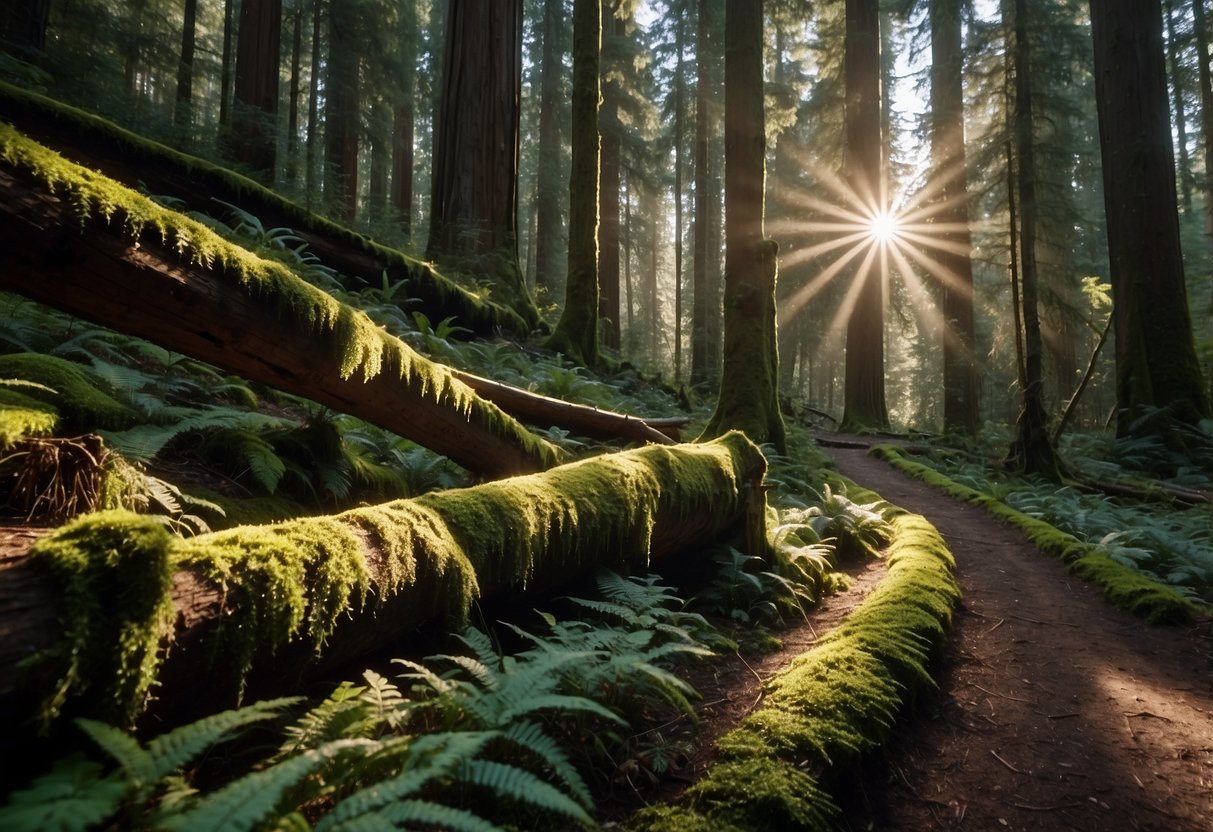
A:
(1031, 808)
(1001, 621)
(1004, 762)
(1062, 716)
(1147, 713)
(1000, 695)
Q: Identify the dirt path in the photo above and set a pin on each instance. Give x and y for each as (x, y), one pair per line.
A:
(1055, 710)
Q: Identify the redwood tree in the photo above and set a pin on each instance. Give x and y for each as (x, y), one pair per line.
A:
(576, 333)
(342, 117)
(1156, 364)
(473, 205)
(749, 388)
(960, 412)
(865, 399)
(253, 137)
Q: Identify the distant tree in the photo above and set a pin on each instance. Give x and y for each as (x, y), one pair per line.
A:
(948, 168)
(342, 108)
(292, 98)
(253, 137)
(312, 149)
(1181, 115)
(185, 69)
(474, 189)
(23, 24)
(576, 333)
(749, 388)
(1206, 109)
(404, 115)
(1031, 449)
(611, 128)
(702, 183)
(865, 396)
(549, 224)
(1156, 365)
(225, 69)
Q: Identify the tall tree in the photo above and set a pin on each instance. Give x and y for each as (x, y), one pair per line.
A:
(549, 224)
(749, 388)
(613, 32)
(1181, 116)
(576, 333)
(960, 409)
(474, 192)
(699, 256)
(23, 24)
(1156, 365)
(1031, 449)
(342, 110)
(225, 69)
(185, 68)
(292, 98)
(1206, 109)
(253, 137)
(865, 400)
(403, 118)
(312, 149)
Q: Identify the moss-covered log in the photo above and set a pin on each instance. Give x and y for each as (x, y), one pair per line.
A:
(260, 608)
(134, 160)
(80, 242)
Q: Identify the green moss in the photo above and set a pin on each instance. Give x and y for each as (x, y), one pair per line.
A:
(74, 391)
(835, 702)
(22, 416)
(1123, 586)
(293, 582)
(442, 297)
(114, 573)
(362, 348)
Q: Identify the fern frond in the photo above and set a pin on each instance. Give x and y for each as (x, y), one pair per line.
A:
(427, 814)
(562, 704)
(125, 749)
(169, 752)
(71, 797)
(243, 805)
(383, 697)
(520, 785)
(264, 464)
(531, 738)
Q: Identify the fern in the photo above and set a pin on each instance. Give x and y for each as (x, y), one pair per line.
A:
(410, 814)
(73, 796)
(169, 752)
(519, 785)
(534, 741)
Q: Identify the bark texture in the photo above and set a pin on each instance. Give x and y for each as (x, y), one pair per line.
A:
(253, 137)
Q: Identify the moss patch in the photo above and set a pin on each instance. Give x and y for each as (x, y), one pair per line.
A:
(1123, 586)
(442, 296)
(22, 416)
(74, 391)
(831, 704)
(294, 581)
(362, 347)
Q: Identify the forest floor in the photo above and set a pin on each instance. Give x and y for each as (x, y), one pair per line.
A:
(1055, 711)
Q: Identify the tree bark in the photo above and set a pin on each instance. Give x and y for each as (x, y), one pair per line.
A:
(699, 256)
(225, 71)
(679, 119)
(292, 109)
(342, 113)
(682, 497)
(185, 67)
(576, 333)
(749, 389)
(1156, 364)
(549, 224)
(1206, 109)
(1181, 116)
(608, 189)
(312, 150)
(960, 406)
(864, 390)
(146, 288)
(474, 198)
(253, 137)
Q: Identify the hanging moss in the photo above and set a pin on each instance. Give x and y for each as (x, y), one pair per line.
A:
(831, 704)
(114, 573)
(294, 581)
(70, 388)
(1123, 586)
(362, 347)
(442, 296)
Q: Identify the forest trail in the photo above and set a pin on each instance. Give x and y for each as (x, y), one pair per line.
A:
(1055, 711)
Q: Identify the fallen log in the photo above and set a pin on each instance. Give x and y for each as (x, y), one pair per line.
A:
(545, 411)
(79, 242)
(262, 609)
(134, 160)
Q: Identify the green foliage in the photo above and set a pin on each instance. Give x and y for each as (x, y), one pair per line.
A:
(69, 387)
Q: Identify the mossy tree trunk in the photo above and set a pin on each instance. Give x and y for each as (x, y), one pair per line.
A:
(263, 608)
(864, 389)
(1156, 364)
(576, 333)
(749, 387)
(253, 137)
(960, 410)
(1031, 450)
(474, 195)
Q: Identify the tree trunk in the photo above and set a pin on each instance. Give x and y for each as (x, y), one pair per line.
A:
(679, 119)
(699, 256)
(576, 333)
(948, 163)
(1156, 364)
(474, 211)
(262, 330)
(253, 138)
(311, 184)
(225, 71)
(864, 390)
(1181, 117)
(342, 111)
(185, 68)
(415, 559)
(1206, 109)
(608, 198)
(749, 390)
(292, 109)
(1031, 450)
(549, 224)
(403, 116)
(23, 25)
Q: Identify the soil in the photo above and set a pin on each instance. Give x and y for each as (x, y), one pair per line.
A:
(1055, 711)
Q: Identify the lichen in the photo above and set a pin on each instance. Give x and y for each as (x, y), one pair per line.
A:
(442, 296)
(1124, 587)
(294, 581)
(69, 388)
(831, 704)
(363, 349)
